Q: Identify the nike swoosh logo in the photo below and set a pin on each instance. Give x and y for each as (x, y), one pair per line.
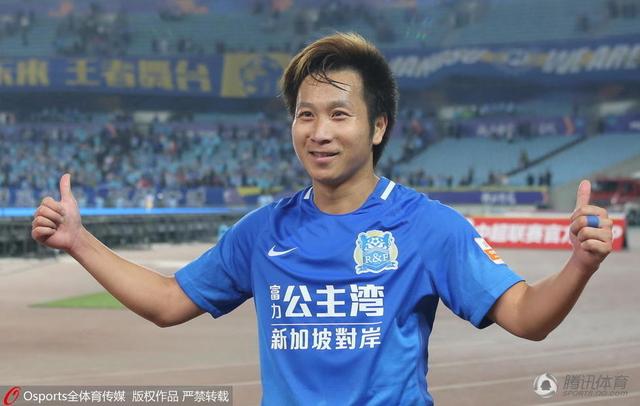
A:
(274, 253)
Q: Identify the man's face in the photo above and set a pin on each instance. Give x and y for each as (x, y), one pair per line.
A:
(331, 131)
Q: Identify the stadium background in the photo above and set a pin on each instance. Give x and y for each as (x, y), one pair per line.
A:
(167, 115)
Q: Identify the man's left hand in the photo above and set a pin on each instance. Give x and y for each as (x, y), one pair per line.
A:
(591, 234)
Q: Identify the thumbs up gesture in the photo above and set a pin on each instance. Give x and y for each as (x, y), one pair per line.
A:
(591, 234)
(57, 224)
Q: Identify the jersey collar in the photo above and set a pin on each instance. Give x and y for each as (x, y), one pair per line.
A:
(380, 194)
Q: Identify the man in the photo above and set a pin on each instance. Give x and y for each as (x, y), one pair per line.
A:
(346, 274)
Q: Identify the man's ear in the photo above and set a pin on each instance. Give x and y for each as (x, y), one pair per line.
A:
(379, 127)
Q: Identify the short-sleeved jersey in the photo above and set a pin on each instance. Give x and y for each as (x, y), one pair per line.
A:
(345, 303)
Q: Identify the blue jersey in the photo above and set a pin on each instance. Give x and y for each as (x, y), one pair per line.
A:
(345, 303)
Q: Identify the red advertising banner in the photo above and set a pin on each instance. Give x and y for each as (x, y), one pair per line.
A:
(535, 232)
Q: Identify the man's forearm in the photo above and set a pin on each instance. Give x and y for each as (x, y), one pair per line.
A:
(138, 288)
(534, 311)
(547, 302)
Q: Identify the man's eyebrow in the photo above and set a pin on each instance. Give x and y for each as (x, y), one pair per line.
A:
(331, 105)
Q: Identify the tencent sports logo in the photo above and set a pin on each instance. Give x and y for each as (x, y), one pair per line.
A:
(375, 252)
(545, 385)
(11, 396)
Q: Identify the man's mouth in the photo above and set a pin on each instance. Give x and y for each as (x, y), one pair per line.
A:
(323, 154)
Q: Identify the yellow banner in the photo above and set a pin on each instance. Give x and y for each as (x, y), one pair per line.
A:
(252, 74)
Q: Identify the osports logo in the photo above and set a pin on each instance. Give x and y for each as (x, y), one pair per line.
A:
(375, 252)
(11, 396)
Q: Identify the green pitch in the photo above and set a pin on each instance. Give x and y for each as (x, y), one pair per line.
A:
(101, 300)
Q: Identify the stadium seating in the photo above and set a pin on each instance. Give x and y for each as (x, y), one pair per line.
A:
(247, 151)
(455, 157)
(241, 151)
(240, 27)
(586, 158)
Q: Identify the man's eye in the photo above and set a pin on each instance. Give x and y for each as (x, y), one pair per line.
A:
(339, 114)
(304, 114)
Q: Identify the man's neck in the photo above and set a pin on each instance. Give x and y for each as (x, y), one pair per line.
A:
(346, 197)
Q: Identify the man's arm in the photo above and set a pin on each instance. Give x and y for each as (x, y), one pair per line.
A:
(153, 296)
(533, 311)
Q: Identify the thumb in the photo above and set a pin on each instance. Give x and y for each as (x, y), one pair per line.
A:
(65, 187)
(584, 194)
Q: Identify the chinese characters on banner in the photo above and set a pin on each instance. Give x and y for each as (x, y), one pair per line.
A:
(156, 75)
(535, 232)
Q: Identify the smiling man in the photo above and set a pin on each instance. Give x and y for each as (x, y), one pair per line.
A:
(346, 275)
(333, 138)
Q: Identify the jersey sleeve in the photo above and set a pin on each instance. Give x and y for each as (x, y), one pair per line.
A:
(469, 276)
(220, 279)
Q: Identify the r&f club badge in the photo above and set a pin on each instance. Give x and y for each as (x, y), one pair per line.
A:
(375, 252)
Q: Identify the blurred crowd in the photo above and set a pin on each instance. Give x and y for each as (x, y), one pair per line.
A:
(18, 23)
(598, 20)
(127, 154)
(93, 33)
(98, 28)
(171, 27)
(116, 151)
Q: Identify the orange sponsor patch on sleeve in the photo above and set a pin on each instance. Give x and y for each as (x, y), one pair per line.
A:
(488, 250)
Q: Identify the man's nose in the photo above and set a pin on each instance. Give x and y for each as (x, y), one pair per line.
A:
(322, 132)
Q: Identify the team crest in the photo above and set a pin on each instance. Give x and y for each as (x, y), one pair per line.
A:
(375, 252)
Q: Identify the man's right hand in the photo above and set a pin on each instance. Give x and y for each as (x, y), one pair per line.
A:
(152, 295)
(58, 224)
